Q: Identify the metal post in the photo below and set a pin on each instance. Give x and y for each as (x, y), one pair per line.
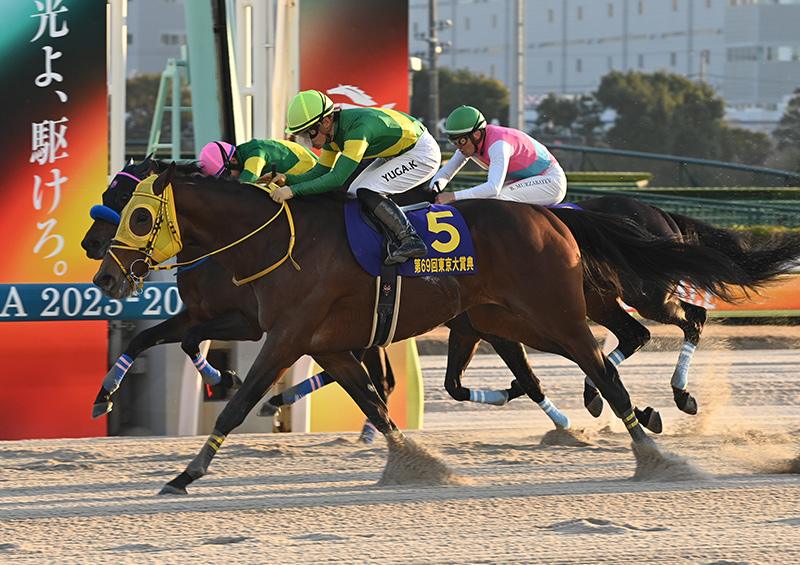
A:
(516, 109)
(433, 95)
(118, 43)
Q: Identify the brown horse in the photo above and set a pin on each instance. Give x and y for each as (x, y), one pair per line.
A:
(314, 299)
(215, 308)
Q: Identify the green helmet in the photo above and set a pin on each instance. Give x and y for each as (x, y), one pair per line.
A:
(307, 109)
(464, 120)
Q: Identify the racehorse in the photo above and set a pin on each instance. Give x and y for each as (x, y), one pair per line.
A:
(215, 308)
(762, 264)
(528, 287)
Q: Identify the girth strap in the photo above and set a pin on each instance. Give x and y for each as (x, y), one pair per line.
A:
(387, 303)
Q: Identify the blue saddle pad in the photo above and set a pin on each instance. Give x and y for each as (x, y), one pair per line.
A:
(442, 228)
(569, 205)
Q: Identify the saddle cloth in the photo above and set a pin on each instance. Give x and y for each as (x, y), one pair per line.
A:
(442, 228)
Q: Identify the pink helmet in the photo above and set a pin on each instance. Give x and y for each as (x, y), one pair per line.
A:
(215, 156)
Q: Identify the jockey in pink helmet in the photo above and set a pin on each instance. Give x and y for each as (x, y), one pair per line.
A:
(248, 161)
(215, 157)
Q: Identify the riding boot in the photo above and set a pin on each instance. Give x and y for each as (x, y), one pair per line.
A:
(390, 214)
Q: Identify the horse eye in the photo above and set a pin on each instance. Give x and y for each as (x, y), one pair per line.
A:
(141, 222)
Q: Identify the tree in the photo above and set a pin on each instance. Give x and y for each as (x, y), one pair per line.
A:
(457, 88)
(140, 101)
(578, 116)
(787, 134)
(663, 113)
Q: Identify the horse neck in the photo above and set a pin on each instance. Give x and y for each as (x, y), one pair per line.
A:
(212, 217)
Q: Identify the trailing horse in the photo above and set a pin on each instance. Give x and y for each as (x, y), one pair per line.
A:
(528, 286)
(761, 264)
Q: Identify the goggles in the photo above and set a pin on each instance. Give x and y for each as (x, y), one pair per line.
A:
(305, 137)
(459, 140)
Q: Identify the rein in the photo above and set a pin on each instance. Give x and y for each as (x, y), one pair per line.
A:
(166, 208)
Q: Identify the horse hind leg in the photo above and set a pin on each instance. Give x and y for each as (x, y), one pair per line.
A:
(690, 319)
(631, 336)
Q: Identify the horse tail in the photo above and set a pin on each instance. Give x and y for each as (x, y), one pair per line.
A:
(762, 262)
(620, 256)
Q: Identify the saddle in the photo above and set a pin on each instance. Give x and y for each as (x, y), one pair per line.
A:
(450, 251)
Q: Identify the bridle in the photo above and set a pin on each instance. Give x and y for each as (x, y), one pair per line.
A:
(159, 245)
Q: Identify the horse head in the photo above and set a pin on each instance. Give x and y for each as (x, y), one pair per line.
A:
(116, 196)
(106, 215)
(148, 234)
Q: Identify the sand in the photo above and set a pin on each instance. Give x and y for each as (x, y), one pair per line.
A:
(721, 487)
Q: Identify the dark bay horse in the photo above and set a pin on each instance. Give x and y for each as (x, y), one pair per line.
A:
(215, 308)
(762, 264)
(529, 285)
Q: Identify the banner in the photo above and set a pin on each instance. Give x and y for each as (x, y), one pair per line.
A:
(54, 145)
(356, 51)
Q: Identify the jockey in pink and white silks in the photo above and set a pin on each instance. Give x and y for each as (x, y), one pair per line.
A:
(520, 169)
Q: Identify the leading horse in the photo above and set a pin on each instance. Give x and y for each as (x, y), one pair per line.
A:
(215, 308)
(528, 286)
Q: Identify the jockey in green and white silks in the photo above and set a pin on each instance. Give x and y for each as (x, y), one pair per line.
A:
(248, 161)
(404, 152)
(520, 169)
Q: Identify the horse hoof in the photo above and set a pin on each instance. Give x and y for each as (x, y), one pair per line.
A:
(685, 401)
(514, 390)
(268, 409)
(169, 489)
(650, 419)
(592, 401)
(229, 380)
(101, 409)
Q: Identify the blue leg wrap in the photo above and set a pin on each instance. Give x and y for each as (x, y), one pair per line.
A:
(616, 357)
(494, 397)
(298, 391)
(559, 418)
(210, 375)
(680, 378)
(114, 377)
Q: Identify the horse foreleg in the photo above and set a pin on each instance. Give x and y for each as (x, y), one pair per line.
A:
(381, 376)
(168, 331)
(376, 361)
(232, 326)
(261, 376)
(516, 359)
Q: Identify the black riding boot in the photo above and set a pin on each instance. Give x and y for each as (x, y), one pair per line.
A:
(390, 214)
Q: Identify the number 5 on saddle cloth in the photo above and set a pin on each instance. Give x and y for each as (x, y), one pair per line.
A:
(450, 252)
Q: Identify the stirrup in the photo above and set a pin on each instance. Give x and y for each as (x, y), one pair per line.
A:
(414, 247)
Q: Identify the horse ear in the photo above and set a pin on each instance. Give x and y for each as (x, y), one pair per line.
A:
(164, 179)
(144, 167)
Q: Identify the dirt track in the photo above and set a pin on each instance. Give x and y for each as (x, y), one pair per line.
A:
(666, 338)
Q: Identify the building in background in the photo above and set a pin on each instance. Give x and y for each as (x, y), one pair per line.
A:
(156, 32)
(747, 50)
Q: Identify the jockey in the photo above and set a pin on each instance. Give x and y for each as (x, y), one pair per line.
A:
(247, 161)
(520, 168)
(405, 154)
